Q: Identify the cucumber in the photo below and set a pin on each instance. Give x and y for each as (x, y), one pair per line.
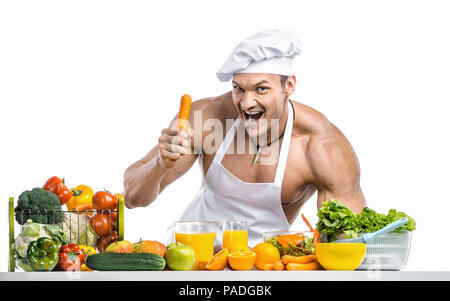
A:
(126, 262)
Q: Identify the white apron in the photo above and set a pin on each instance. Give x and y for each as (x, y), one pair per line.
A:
(223, 196)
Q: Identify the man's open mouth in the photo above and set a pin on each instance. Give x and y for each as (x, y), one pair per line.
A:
(252, 116)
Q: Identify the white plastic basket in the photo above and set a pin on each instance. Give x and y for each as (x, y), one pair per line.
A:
(389, 251)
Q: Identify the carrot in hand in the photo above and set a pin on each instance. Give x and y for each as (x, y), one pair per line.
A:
(183, 113)
(298, 259)
(303, 266)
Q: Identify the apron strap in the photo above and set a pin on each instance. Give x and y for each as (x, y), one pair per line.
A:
(284, 152)
(227, 141)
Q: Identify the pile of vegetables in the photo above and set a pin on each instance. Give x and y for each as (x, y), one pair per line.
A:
(43, 247)
(50, 238)
(30, 233)
(336, 219)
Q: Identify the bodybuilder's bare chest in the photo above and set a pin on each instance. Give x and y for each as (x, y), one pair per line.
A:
(295, 178)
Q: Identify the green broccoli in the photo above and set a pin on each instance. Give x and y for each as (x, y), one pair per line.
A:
(39, 205)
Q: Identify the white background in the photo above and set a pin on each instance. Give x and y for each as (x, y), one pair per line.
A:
(87, 86)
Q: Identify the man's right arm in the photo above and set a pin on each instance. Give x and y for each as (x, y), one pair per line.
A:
(145, 179)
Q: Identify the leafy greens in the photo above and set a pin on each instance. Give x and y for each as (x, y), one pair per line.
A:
(335, 219)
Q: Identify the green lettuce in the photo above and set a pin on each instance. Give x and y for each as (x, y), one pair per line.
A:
(371, 221)
(394, 215)
(336, 219)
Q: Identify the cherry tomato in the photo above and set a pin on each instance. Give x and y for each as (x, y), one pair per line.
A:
(103, 200)
(101, 224)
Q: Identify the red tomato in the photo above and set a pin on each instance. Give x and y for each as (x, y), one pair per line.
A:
(105, 241)
(103, 200)
(101, 224)
(113, 217)
(57, 186)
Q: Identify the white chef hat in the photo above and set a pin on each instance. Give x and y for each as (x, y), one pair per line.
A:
(269, 51)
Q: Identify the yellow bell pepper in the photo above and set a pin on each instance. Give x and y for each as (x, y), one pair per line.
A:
(82, 198)
(87, 252)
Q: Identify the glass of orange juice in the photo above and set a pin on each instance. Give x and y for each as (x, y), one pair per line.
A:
(200, 236)
(235, 236)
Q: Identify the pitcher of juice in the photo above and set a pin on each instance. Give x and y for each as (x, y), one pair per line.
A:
(199, 235)
(235, 236)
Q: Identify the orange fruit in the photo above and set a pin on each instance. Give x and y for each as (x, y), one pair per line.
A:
(219, 261)
(265, 254)
(242, 261)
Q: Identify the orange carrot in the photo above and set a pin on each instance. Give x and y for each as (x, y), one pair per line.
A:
(287, 239)
(303, 266)
(278, 266)
(183, 113)
(298, 259)
(265, 266)
(307, 223)
(316, 237)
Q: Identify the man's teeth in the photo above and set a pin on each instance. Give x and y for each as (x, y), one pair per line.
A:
(252, 113)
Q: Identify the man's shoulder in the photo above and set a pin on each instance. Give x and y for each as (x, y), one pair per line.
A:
(309, 121)
(327, 150)
(220, 107)
(324, 139)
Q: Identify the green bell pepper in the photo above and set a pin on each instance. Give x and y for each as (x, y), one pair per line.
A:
(43, 254)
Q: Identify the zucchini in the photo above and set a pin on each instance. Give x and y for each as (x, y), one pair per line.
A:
(125, 262)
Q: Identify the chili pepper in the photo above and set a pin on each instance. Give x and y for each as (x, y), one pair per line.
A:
(42, 254)
(57, 186)
(82, 199)
(70, 257)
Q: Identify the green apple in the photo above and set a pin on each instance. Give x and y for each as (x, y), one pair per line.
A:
(180, 257)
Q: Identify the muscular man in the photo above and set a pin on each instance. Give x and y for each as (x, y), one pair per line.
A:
(275, 153)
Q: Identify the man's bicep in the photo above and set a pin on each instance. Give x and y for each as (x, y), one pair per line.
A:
(336, 172)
